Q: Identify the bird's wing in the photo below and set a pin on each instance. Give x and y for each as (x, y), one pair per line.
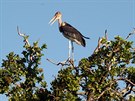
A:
(72, 33)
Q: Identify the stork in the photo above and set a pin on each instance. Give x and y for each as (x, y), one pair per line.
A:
(69, 32)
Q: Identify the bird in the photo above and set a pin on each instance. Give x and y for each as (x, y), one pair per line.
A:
(69, 32)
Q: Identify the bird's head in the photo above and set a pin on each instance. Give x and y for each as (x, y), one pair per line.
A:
(57, 16)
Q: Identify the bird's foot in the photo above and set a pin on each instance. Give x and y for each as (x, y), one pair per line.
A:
(70, 61)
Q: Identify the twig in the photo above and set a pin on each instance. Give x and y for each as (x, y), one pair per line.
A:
(25, 40)
(23, 35)
(112, 82)
(103, 92)
(126, 80)
(116, 92)
(133, 90)
(131, 33)
(19, 33)
(98, 46)
(125, 89)
(81, 93)
(99, 42)
(59, 63)
(108, 88)
(128, 92)
(106, 37)
(51, 61)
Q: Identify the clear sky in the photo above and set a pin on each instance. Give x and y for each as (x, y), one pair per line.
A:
(90, 17)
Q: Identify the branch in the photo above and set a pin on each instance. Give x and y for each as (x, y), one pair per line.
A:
(106, 36)
(98, 46)
(59, 63)
(131, 33)
(53, 97)
(112, 82)
(99, 42)
(128, 92)
(125, 89)
(126, 80)
(25, 40)
(81, 93)
(116, 92)
(20, 32)
(129, 88)
(108, 88)
(23, 35)
(103, 92)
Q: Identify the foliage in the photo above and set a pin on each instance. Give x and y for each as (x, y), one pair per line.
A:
(98, 77)
(21, 77)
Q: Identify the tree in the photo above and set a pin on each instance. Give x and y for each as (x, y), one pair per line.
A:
(95, 78)
(21, 77)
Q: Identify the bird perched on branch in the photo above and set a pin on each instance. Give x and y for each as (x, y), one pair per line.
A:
(69, 32)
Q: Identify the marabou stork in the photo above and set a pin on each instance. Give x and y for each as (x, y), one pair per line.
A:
(69, 32)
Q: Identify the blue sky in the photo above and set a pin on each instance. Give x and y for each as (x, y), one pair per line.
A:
(90, 17)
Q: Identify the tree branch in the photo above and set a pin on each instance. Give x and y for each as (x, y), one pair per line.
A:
(98, 46)
(99, 42)
(106, 36)
(81, 93)
(103, 93)
(23, 35)
(131, 33)
(126, 80)
(112, 82)
(130, 89)
(64, 63)
(107, 88)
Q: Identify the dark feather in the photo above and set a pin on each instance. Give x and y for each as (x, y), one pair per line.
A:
(72, 34)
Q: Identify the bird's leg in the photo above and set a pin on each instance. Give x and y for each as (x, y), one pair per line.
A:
(72, 46)
(69, 53)
(71, 49)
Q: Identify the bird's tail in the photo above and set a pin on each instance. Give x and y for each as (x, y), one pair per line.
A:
(86, 37)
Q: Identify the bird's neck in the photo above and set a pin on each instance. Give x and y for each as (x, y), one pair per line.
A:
(59, 22)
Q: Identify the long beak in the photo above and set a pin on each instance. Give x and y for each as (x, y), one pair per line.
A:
(53, 20)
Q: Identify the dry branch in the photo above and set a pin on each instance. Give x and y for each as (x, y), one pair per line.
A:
(106, 36)
(64, 63)
(131, 33)
(23, 35)
(98, 46)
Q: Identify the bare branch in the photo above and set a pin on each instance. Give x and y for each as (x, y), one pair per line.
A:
(23, 35)
(98, 46)
(99, 42)
(59, 63)
(106, 36)
(131, 33)
(19, 33)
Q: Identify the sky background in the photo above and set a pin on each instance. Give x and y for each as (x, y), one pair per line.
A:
(90, 17)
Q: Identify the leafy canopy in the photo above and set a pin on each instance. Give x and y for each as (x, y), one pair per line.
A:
(97, 77)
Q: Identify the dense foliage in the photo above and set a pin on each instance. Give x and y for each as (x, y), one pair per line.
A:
(108, 74)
